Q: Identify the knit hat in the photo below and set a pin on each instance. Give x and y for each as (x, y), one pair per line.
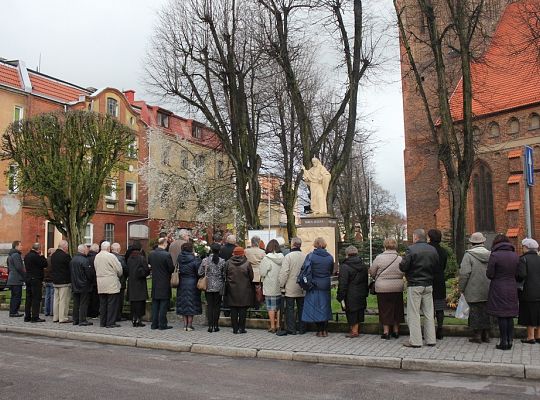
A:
(238, 251)
(530, 243)
(477, 238)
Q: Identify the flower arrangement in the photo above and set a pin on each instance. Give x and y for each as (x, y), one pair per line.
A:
(201, 248)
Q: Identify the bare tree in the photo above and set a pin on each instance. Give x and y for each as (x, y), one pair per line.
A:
(451, 27)
(206, 54)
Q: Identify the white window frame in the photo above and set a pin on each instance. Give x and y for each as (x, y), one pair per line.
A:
(133, 192)
(133, 149)
(197, 132)
(89, 239)
(163, 119)
(13, 172)
(109, 224)
(114, 187)
(115, 114)
(20, 109)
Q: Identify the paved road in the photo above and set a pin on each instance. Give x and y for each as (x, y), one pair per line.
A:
(41, 368)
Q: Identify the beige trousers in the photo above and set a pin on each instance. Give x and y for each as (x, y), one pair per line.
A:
(62, 297)
(420, 299)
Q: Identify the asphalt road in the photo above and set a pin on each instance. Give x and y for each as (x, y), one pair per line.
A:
(41, 368)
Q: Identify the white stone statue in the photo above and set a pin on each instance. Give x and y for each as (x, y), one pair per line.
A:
(318, 179)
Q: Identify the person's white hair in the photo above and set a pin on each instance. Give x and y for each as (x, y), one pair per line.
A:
(94, 247)
(115, 247)
(530, 243)
(296, 242)
(231, 239)
(81, 248)
(105, 246)
(63, 245)
(183, 234)
(255, 240)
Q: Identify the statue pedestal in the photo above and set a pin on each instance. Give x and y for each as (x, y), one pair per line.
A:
(312, 227)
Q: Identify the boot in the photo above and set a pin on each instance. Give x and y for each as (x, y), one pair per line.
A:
(353, 332)
(439, 334)
(135, 324)
(140, 324)
(476, 338)
(485, 336)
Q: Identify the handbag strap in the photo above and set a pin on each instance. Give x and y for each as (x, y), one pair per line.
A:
(385, 268)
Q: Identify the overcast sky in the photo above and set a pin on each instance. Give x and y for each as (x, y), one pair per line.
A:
(103, 43)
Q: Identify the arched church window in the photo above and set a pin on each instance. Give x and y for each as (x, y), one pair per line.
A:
(483, 200)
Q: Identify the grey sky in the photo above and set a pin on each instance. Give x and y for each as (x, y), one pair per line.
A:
(103, 43)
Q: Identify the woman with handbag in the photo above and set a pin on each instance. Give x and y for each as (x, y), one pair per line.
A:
(269, 270)
(388, 285)
(188, 296)
(213, 269)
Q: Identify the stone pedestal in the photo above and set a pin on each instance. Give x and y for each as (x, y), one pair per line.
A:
(312, 227)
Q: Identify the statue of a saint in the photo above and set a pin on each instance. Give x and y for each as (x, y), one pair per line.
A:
(318, 179)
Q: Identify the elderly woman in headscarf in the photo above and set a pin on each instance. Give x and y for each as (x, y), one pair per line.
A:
(529, 298)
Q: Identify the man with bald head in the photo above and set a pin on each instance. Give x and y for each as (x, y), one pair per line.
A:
(61, 277)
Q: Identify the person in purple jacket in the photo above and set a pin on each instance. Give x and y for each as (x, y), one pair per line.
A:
(503, 296)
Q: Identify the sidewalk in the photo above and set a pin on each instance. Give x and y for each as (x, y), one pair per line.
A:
(453, 354)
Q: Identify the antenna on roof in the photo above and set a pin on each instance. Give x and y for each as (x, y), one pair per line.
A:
(39, 64)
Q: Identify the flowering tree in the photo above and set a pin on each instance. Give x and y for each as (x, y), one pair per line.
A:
(196, 188)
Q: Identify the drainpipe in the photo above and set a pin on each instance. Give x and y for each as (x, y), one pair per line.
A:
(127, 228)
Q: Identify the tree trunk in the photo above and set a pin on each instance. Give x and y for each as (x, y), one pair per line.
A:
(458, 214)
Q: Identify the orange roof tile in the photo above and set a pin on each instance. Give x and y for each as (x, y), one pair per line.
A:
(513, 206)
(512, 232)
(514, 179)
(508, 74)
(9, 76)
(515, 153)
(52, 88)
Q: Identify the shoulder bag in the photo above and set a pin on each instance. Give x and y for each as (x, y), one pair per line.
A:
(372, 280)
(175, 278)
(202, 283)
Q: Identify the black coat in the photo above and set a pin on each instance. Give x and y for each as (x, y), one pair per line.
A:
(226, 251)
(61, 274)
(238, 282)
(188, 297)
(439, 283)
(35, 264)
(353, 284)
(162, 268)
(125, 271)
(529, 271)
(137, 272)
(418, 264)
(82, 274)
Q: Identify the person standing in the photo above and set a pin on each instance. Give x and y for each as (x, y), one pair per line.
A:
(269, 269)
(82, 278)
(108, 273)
(227, 249)
(61, 277)
(317, 305)
(529, 300)
(213, 267)
(353, 289)
(162, 268)
(115, 249)
(254, 255)
(474, 284)
(175, 248)
(48, 283)
(502, 297)
(16, 278)
(35, 264)
(420, 261)
(137, 287)
(389, 288)
(239, 288)
(93, 303)
(294, 295)
(439, 281)
(188, 297)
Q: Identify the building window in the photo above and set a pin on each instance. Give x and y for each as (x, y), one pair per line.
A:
(477, 134)
(184, 155)
(112, 107)
(163, 120)
(165, 154)
(483, 200)
(513, 126)
(132, 149)
(131, 192)
(164, 193)
(220, 168)
(110, 189)
(196, 132)
(89, 234)
(18, 115)
(109, 233)
(534, 121)
(199, 161)
(494, 129)
(13, 184)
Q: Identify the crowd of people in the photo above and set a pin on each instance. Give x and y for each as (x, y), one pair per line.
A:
(497, 285)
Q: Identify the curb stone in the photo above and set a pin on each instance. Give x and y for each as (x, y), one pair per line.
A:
(446, 366)
(460, 367)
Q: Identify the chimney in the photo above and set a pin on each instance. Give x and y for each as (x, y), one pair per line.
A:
(130, 95)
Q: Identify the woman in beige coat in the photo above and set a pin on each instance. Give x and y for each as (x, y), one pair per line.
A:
(389, 288)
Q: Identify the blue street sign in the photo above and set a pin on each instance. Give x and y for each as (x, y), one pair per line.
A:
(529, 167)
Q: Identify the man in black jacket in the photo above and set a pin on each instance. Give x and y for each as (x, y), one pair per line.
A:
(162, 268)
(61, 278)
(227, 249)
(115, 249)
(35, 264)
(418, 264)
(82, 278)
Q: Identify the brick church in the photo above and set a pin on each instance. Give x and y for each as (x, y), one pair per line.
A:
(506, 108)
